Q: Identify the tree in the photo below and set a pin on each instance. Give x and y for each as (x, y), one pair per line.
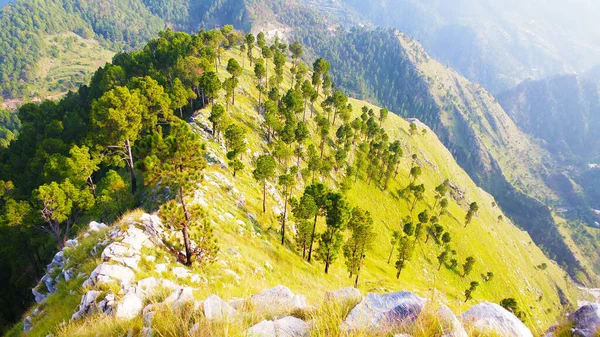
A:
(60, 206)
(405, 251)
(413, 128)
(469, 292)
(468, 266)
(418, 192)
(249, 38)
(303, 212)
(319, 193)
(473, 208)
(440, 191)
(177, 161)
(286, 183)
(360, 241)
(180, 96)
(415, 172)
(235, 70)
(511, 305)
(117, 121)
(267, 54)
(259, 72)
(338, 213)
(235, 140)
(264, 170)
(210, 85)
(383, 113)
(217, 118)
(79, 167)
(154, 99)
(443, 258)
(113, 197)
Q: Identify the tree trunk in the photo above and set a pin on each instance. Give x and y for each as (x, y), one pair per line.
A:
(398, 273)
(356, 280)
(283, 220)
(264, 196)
(130, 166)
(391, 253)
(259, 95)
(233, 98)
(312, 235)
(92, 186)
(184, 230)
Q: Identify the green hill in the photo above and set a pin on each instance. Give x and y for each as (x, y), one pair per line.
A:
(233, 204)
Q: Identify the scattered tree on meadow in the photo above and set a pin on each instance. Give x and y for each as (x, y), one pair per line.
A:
(360, 241)
(468, 266)
(337, 215)
(473, 208)
(264, 170)
(469, 292)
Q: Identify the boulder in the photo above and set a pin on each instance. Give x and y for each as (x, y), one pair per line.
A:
(148, 285)
(27, 324)
(71, 243)
(161, 268)
(586, 320)
(180, 297)
(345, 296)
(136, 238)
(123, 254)
(49, 282)
(57, 261)
(95, 226)
(285, 327)
(449, 323)
(87, 305)
(485, 318)
(39, 297)
(279, 300)
(130, 307)
(217, 309)
(107, 305)
(109, 273)
(378, 312)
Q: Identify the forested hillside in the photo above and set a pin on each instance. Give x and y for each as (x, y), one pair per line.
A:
(350, 186)
(497, 43)
(562, 111)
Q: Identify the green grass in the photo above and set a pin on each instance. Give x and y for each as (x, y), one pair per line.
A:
(252, 259)
(70, 63)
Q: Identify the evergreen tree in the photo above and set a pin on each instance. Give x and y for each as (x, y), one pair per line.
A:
(468, 266)
(360, 241)
(304, 211)
(473, 208)
(405, 252)
(264, 170)
(286, 183)
(338, 213)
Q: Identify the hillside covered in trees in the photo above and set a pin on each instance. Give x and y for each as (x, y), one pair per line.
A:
(240, 146)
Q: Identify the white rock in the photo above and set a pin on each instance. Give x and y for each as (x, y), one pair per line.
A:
(71, 243)
(262, 329)
(95, 226)
(278, 301)
(39, 297)
(180, 272)
(109, 273)
(87, 305)
(180, 297)
(160, 268)
(485, 318)
(285, 327)
(130, 307)
(27, 324)
(217, 309)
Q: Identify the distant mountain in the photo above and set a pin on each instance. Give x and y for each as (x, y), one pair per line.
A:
(497, 43)
(562, 111)
(4, 2)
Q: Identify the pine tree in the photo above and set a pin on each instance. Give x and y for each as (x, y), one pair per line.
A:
(405, 252)
(338, 214)
(468, 266)
(177, 161)
(286, 183)
(360, 241)
(264, 170)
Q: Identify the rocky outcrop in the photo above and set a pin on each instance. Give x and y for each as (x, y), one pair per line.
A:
(585, 321)
(377, 312)
(486, 318)
(278, 301)
(345, 296)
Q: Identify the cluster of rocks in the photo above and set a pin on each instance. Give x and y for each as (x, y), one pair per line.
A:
(112, 289)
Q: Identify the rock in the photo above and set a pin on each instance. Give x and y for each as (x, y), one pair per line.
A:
(71, 243)
(87, 304)
(109, 273)
(27, 324)
(348, 295)
(551, 330)
(95, 226)
(586, 320)
(35, 312)
(152, 224)
(262, 329)
(451, 326)
(161, 268)
(57, 261)
(485, 318)
(136, 238)
(180, 297)
(180, 272)
(217, 309)
(68, 274)
(382, 311)
(39, 297)
(123, 254)
(278, 301)
(107, 305)
(149, 284)
(285, 327)
(130, 307)
(49, 282)
(147, 332)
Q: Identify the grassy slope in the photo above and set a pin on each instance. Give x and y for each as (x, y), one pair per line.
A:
(498, 246)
